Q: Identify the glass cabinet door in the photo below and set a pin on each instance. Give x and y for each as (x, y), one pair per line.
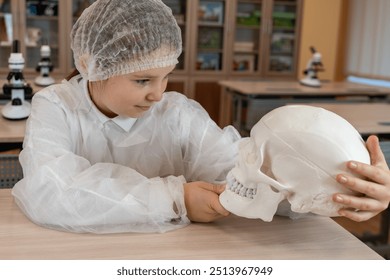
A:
(283, 37)
(42, 27)
(210, 35)
(179, 10)
(8, 31)
(247, 37)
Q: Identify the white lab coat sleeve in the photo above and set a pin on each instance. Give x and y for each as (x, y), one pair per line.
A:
(62, 190)
(210, 152)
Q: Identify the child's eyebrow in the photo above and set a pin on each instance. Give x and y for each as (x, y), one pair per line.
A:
(148, 76)
(144, 76)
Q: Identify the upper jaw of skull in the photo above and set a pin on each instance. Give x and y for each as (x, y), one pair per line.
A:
(250, 192)
(236, 186)
(254, 200)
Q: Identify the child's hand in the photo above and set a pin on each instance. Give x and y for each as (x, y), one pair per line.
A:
(375, 190)
(202, 201)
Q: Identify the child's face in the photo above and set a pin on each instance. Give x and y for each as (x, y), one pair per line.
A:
(130, 95)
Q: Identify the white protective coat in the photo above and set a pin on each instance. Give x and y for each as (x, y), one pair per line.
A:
(84, 172)
(294, 153)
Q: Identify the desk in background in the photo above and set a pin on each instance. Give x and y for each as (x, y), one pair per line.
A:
(11, 131)
(243, 103)
(367, 118)
(229, 238)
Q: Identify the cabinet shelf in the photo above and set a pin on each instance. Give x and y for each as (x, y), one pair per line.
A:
(242, 26)
(207, 24)
(52, 46)
(246, 52)
(208, 50)
(286, 3)
(281, 53)
(45, 18)
(283, 29)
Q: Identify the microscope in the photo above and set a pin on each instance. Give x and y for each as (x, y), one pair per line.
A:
(44, 67)
(16, 87)
(313, 66)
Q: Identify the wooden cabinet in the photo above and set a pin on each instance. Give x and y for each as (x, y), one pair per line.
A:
(34, 23)
(222, 39)
(236, 39)
(210, 32)
(266, 37)
(7, 31)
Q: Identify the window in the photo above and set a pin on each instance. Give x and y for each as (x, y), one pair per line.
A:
(368, 41)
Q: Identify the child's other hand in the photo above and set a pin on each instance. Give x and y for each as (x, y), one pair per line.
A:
(202, 201)
(374, 190)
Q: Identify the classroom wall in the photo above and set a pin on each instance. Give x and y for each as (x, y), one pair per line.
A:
(323, 26)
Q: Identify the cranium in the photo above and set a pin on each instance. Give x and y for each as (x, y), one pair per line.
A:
(294, 153)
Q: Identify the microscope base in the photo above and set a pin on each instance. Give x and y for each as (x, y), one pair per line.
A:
(44, 81)
(16, 112)
(310, 82)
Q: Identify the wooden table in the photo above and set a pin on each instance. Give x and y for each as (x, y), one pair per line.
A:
(11, 131)
(262, 88)
(243, 103)
(11, 134)
(367, 118)
(229, 238)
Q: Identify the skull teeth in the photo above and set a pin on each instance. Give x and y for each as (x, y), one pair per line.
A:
(236, 187)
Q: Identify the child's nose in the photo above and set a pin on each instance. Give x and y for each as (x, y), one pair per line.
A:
(157, 92)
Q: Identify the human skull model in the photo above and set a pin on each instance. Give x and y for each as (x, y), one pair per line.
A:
(294, 153)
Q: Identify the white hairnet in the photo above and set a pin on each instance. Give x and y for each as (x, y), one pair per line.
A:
(116, 37)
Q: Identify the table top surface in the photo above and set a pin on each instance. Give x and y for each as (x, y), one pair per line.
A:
(11, 131)
(296, 89)
(367, 118)
(229, 238)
